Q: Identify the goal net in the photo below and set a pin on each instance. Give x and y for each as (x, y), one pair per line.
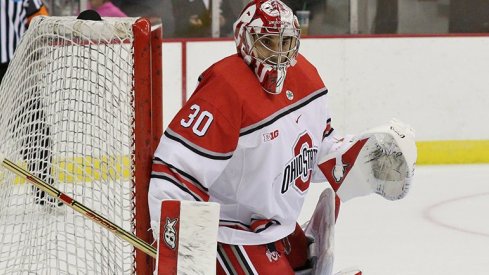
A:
(78, 110)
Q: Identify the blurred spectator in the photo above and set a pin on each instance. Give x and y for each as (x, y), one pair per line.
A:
(157, 11)
(167, 18)
(386, 17)
(230, 10)
(311, 5)
(106, 8)
(15, 16)
(193, 18)
(469, 16)
(63, 7)
(317, 11)
(175, 15)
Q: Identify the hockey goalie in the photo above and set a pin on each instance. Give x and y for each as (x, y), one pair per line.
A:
(253, 136)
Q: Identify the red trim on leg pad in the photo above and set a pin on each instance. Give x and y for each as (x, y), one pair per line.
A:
(168, 240)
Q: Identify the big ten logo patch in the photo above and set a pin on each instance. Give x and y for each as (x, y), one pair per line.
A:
(270, 136)
(298, 170)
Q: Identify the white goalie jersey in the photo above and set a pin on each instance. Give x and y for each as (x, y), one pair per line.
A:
(252, 152)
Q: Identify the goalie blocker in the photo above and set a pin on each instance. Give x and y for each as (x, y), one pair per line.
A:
(187, 237)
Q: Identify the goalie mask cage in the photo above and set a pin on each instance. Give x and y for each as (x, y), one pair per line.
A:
(80, 107)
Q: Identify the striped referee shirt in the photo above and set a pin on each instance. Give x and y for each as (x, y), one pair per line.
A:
(13, 23)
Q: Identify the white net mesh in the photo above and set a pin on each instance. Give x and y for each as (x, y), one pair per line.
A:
(67, 114)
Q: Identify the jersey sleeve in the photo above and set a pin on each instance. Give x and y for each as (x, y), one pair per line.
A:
(196, 146)
(330, 143)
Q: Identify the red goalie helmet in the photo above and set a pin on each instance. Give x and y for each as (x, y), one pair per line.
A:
(267, 38)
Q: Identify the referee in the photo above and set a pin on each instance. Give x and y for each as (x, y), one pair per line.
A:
(15, 16)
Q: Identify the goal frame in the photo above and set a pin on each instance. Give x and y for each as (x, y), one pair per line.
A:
(81, 103)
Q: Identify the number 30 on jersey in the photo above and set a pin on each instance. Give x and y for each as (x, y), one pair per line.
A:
(200, 121)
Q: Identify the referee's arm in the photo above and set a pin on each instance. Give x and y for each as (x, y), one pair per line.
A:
(34, 9)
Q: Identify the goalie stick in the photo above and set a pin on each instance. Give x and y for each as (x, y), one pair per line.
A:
(190, 250)
(80, 208)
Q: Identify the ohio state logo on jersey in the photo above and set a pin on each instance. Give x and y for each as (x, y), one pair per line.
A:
(298, 171)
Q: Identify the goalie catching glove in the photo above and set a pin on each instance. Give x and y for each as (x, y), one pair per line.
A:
(381, 160)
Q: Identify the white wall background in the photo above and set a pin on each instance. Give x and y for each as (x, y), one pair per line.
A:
(439, 85)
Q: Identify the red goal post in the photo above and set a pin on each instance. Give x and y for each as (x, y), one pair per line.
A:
(148, 50)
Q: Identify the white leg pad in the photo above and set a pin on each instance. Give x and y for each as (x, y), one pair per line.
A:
(187, 242)
(321, 229)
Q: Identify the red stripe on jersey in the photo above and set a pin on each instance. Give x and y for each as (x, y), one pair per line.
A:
(232, 259)
(220, 269)
(258, 224)
(192, 187)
